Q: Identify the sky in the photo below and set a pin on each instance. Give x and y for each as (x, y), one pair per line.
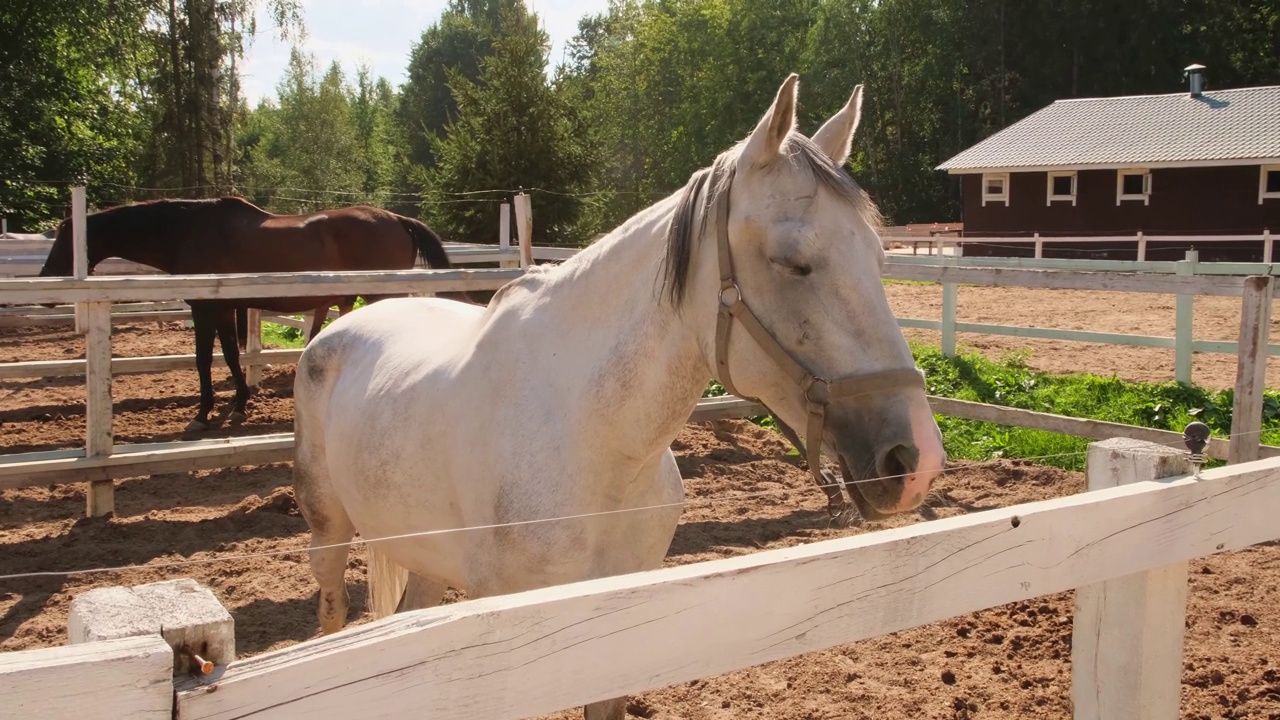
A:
(380, 33)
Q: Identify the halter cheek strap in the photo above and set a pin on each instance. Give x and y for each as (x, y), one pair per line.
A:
(818, 392)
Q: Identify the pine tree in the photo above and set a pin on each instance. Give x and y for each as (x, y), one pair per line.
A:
(513, 131)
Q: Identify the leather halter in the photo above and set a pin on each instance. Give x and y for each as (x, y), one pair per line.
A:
(818, 392)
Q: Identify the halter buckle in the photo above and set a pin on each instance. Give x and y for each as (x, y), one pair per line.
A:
(818, 392)
(725, 298)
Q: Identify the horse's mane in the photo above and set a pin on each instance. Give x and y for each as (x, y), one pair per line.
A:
(690, 220)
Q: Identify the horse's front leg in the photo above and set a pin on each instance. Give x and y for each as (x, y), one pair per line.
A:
(226, 324)
(205, 322)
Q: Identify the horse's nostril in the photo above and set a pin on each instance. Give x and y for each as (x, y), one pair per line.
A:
(898, 461)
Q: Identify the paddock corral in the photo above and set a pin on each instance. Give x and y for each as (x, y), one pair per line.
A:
(746, 494)
(1004, 663)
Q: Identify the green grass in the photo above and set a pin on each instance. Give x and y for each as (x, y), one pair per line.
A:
(275, 335)
(1011, 383)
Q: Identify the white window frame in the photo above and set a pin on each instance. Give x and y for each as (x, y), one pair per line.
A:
(1049, 197)
(1144, 196)
(1262, 183)
(1002, 196)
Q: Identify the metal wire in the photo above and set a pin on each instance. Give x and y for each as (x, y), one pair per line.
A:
(563, 518)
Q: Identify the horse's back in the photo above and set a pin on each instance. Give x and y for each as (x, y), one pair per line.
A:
(392, 337)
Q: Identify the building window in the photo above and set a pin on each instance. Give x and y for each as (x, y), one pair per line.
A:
(1133, 185)
(1269, 183)
(995, 188)
(1062, 186)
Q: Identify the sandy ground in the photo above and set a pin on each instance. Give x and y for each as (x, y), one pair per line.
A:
(1009, 662)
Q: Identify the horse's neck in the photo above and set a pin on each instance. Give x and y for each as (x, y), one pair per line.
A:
(643, 364)
(144, 243)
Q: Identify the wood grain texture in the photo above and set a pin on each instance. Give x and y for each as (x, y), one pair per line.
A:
(244, 285)
(253, 347)
(1251, 369)
(532, 653)
(524, 228)
(129, 678)
(1068, 279)
(100, 498)
(69, 466)
(1127, 634)
(155, 363)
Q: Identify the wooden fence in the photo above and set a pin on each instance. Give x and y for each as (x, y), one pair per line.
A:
(102, 461)
(1140, 242)
(1133, 276)
(1123, 545)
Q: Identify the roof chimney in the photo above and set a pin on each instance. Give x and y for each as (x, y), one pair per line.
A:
(1194, 74)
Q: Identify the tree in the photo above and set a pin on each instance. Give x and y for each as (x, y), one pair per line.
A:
(512, 131)
(458, 43)
(68, 93)
(307, 153)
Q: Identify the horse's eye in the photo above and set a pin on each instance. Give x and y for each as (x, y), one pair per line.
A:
(797, 269)
(791, 265)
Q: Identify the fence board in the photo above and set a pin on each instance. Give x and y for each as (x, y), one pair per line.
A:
(125, 461)
(1127, 634)
(1068, 279)
(1251, 369)
(1079, 427)
(537, 652)
(146, 364)
(247, 285)
(126, 678)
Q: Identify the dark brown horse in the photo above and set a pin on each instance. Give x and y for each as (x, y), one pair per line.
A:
(231, 235)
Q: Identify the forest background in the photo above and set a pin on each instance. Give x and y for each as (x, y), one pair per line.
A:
(141, 98)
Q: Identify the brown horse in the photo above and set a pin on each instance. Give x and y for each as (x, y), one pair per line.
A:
(231, 235)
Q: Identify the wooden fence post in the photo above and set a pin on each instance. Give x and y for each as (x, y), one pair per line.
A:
(1142, 246)
(1039, 246)
(252, 346)
(1267, 242)
(1251, 369)
(504, 232)
(79, 249)
(524, 228)
(1126, 642)
(1184, 332)
(100, 499)
(950, 297)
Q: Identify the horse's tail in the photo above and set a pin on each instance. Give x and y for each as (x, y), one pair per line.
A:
(428, 244)
(431, 249)
(387, 582)
(242, 327)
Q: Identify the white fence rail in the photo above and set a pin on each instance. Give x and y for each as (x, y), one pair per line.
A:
(1140, 240)
(1123, 544)
(102, 461)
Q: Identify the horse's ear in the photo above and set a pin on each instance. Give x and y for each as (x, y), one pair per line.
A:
(835, 137)
(765, 141)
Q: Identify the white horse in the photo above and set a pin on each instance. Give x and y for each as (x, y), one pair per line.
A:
(562, 397)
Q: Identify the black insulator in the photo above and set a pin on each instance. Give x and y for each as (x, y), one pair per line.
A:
(1196, 437)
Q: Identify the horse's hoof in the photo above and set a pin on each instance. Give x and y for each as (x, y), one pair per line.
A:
(196, 426)
(235, 418)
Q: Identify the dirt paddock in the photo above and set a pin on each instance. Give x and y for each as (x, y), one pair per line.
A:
(1009, 662)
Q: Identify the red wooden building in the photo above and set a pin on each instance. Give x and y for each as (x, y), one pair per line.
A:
(1201, 162)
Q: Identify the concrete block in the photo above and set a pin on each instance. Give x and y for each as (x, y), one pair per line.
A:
(183, 612)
